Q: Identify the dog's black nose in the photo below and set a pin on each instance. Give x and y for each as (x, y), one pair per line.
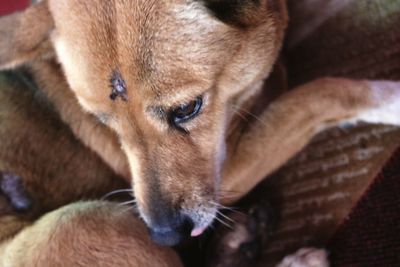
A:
(171, 231)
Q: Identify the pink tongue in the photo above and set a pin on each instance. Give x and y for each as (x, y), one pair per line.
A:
(197, 232)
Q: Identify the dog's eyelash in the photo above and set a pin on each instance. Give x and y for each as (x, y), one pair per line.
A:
(118, 87)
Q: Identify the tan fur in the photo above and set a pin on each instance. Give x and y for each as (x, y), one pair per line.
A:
(169, 53)
(66, 170)
(71, 236)
(29, 38)
(203, 58)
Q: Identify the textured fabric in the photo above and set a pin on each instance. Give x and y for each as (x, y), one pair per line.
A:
(317, 189)
(370, 236)
(320, 187)
(345, 38)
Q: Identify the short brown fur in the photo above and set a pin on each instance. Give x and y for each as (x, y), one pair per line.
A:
(169, 53)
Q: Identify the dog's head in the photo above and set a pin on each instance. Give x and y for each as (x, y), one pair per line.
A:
(166, 76)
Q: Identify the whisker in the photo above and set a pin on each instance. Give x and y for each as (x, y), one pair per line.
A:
(226, 217)
(238, 212)
(224, 223)
(227, 197)
(127, 209)
(127, 202)
(238, 112)
(229, 194)
(251, 114)
(231, 209)
(228, 191)
(116, 192)
(219, 205)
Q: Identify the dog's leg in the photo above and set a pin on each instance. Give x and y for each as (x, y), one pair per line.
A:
(86, 234)
(288, 124)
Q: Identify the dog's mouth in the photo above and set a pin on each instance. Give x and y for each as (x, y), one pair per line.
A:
(171, 235)
(202, 219)
(169, 226)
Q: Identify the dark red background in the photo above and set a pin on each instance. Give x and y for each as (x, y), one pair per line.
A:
(9, 6)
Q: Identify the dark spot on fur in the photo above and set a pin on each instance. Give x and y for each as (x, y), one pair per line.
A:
(118, 87)
(12, 187)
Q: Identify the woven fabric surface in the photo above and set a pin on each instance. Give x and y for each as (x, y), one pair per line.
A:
(318, 189)
(370, 236)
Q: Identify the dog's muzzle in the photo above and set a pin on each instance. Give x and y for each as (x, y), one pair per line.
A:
(171, 230)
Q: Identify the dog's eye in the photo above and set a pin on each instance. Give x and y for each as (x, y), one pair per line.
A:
(186, 112)
(118, 87)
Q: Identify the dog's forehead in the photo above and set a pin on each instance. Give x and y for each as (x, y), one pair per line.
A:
(148, 40)
(170, 39)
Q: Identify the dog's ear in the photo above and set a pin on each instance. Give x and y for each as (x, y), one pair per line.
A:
(247, 13)
(25, 36)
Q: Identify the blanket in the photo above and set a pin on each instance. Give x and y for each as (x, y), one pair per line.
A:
(336, 193)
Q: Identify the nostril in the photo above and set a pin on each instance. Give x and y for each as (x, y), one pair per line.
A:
(174, 233)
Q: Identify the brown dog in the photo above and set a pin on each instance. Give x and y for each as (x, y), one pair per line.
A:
(170, 79)
(44, 167)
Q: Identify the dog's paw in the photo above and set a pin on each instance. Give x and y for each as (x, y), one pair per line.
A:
(306, 257)
(12, 188)
(242, 242)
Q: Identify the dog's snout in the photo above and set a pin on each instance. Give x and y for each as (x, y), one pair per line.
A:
(172, 231)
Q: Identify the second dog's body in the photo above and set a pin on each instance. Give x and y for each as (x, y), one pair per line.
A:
(169, 81)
